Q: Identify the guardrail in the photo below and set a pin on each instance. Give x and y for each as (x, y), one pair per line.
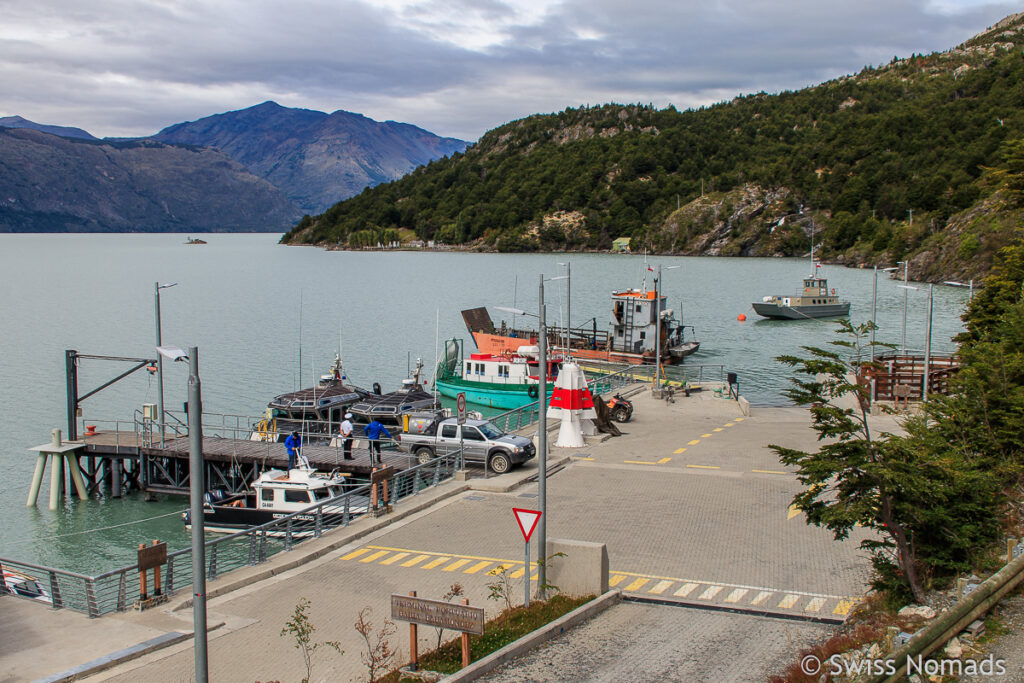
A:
(114, 590)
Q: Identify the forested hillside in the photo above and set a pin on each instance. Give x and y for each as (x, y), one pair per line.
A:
(905, 159)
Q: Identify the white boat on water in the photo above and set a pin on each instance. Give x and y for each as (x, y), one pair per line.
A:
(815, 300)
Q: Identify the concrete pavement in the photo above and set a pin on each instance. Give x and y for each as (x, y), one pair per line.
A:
(692, 505)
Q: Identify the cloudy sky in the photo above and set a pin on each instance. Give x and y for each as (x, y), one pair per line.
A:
(455, 67)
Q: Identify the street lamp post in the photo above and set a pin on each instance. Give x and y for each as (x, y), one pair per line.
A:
(906, 289)
(927, 347)
(874, 307)
(969, 284)
(542, 447)
(657, 329)
(160, 359)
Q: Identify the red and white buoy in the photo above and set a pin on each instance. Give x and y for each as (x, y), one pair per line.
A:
(571, 401)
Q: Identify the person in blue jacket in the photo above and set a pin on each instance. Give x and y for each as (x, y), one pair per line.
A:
(292, 444)
(373, 432)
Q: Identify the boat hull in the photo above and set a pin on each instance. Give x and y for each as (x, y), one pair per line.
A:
(491, 395)
(780, 312)
(498, 345)
(226, 519)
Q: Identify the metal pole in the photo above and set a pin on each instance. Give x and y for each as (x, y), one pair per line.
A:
(927, 347)
(568, 302)
(657, 333)
(71, 376)
(542, 446)
(195, 459)
(526, 580)
(159, 363)
(903, 343)
(874, 312)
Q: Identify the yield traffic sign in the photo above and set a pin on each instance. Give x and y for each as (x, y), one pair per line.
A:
(527, 520)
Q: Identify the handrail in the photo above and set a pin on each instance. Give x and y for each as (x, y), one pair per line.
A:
(109, 591)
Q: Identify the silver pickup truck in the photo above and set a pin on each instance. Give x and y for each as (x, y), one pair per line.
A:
(482, 440)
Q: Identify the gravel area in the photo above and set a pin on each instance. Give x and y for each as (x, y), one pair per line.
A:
(643, 642)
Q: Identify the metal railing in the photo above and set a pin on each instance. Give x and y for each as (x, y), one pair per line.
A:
(115, 590)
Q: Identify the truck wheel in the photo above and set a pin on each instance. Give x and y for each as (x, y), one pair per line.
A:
(500, 463)
(620, 414)
(424, 455)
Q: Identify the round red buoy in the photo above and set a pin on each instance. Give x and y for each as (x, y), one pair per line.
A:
(741, 317)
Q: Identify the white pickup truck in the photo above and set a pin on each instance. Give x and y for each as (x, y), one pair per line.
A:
(482, 441)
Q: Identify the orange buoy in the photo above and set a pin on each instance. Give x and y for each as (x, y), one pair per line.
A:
(741, 317)
(90, 430)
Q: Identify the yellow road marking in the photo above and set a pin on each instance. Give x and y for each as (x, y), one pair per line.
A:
(505, 566)
(679, 450)
(636, 584)
(415, 560)
(770, 471)
(706, 467)
(435, 562)
(736, 595)
(355, 553)
(660, 587)
(761, 597)
(394, 558)
(477, 567)
(711, 592)
(793, 512)
(729, 424)
(694, 442)
(582, 458)
(788, 601)
(685, 590)
(843, 607)
(738, 419)
(705, 436)
(431, 553)
(375, 556)
(814, 605)
(517, 573)
(616, 580)
(455, 565)
(664, 460)
(717, 429)
(639, 462)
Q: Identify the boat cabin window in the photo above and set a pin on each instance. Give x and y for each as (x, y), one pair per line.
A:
(479, 368)
(503, 370)
(638, 308)
(449, 432)
(296, 496)
(335, 491)
(471, 434)
(267, 495)
(469, 367)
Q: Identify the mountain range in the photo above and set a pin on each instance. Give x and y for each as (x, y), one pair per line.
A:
(256, 169)
(920, 160)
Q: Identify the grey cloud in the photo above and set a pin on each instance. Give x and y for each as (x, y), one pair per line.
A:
(130, 67)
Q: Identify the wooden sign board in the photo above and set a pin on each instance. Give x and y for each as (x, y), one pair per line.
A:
(152, 556)
(438, 613)
(382, 475)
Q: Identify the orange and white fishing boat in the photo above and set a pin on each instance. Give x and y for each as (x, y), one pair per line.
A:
(638, 318)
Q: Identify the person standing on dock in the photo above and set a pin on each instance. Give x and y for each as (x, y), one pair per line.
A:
(373, 432)
(346, 436)
(293, 444)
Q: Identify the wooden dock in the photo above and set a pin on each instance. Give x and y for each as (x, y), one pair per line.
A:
(231, 464)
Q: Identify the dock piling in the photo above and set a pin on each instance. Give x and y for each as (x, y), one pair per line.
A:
(37, 479)
(56, 480)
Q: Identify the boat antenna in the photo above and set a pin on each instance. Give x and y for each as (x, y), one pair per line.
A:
(437, 328)
(515, 288)
(300, 343)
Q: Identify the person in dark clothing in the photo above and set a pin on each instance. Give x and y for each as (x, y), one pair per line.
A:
(293, 444)
(374, 432)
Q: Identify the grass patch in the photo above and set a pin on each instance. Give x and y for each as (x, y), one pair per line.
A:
(509, 626)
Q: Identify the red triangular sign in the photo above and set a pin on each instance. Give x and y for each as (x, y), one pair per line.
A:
(527, 520)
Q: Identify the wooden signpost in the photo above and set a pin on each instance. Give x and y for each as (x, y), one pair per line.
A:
(151, 557)
(437, 613)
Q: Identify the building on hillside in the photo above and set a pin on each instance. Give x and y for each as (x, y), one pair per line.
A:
(621, 244)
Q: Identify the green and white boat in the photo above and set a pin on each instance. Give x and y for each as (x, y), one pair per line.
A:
(497, 381)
